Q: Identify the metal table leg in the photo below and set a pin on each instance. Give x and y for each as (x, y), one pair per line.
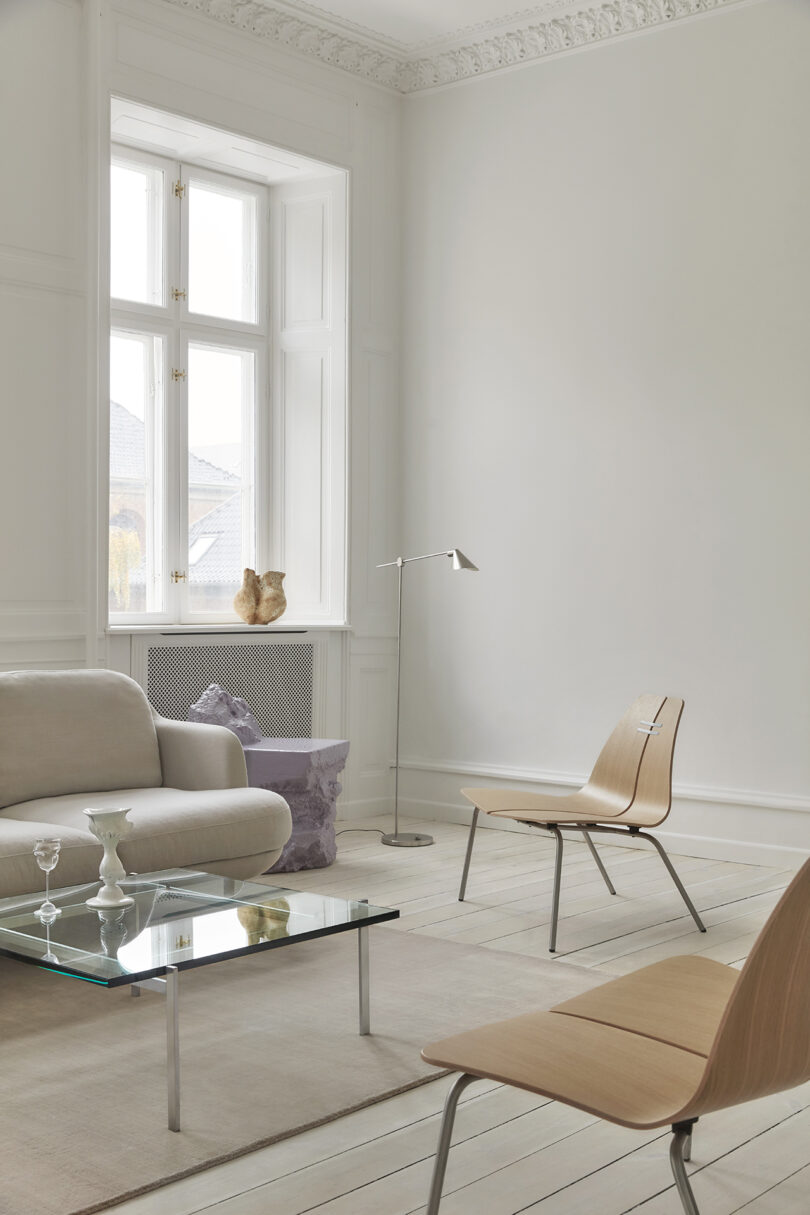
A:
(169, 988)
(173, 1047)
(362, 958)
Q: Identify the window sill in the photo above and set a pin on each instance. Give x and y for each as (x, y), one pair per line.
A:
(252, 629)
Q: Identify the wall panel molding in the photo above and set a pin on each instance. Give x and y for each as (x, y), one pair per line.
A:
(368, 785)
(306, 116)
(57, 650)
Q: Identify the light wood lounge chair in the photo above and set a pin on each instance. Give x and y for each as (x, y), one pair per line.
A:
(663, 1046)
(629, 790)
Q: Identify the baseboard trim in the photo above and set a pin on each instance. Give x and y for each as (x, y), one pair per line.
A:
(748, 835)
(365, 807)
(747, 852)
(537, 776)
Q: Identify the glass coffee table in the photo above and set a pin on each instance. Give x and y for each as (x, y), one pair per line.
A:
(179, 920)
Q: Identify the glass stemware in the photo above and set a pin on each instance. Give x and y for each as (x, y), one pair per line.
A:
(46, 853)
(49, 955)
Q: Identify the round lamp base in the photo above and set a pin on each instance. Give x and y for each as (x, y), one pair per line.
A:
(407, 839)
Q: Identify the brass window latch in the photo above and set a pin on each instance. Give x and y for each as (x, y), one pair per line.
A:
(178, 373)
(179, 189)
(179, 576)
(178, 293)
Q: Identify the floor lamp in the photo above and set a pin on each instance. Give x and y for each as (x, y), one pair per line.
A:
(408, 839)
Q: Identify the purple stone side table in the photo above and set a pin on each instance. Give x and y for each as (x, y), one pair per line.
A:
(305, 772)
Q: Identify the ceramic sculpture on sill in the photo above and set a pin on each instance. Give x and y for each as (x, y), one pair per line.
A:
(261, 598)
(216, 707)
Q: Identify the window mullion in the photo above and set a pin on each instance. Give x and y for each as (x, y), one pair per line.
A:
(176, 458)
(249, 395)
(156, 478)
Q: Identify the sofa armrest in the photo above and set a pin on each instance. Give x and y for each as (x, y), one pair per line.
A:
(197, 756)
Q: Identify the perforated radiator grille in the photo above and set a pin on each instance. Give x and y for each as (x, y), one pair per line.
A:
(275, 680)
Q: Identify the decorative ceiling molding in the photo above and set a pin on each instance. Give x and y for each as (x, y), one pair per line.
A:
(394, 66)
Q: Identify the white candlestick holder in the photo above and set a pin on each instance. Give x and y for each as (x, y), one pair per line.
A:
(109, 826)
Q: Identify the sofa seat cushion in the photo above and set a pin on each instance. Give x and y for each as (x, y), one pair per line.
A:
(171, 828)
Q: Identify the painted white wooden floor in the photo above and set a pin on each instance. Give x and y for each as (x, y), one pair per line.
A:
(515, 1152)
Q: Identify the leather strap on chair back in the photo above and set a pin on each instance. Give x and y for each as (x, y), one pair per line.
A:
(615, 773)
(763, 1042)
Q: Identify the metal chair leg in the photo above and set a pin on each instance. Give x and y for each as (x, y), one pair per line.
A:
(598, 859)
(687, 1147)
(443, 1146)
(680, 1144)
(468, 857)
(678, 883)
(555, 902)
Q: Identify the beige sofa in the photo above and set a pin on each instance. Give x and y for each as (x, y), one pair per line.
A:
(76, 739)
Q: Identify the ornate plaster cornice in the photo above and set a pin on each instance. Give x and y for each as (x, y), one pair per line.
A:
(478, 52)
(265, 20)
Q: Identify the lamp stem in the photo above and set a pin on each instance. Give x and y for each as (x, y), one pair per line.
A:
(400, 568)
(408, 839)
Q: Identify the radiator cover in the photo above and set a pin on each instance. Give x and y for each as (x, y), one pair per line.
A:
(276, 680)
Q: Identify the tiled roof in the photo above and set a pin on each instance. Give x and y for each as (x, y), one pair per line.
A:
(221, 564)
(128, 456)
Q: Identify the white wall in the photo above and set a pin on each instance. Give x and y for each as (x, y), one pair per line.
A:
(44, 556)
(606, 404)
(60, 60)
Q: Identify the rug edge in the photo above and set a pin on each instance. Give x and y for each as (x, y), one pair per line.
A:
(256, 1146)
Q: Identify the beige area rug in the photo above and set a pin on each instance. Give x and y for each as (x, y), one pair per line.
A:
(269, 1046)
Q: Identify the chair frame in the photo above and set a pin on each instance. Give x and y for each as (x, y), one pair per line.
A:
(680, 1151)
(636, 805)
(659, 1047)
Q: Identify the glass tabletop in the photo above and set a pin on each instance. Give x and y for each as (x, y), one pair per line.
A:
(178, 918)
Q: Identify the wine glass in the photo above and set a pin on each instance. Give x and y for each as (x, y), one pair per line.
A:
(49, 955)
(46, 852)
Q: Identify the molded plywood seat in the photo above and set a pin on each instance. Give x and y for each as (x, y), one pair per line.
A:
(629, 790)
(663, 1046)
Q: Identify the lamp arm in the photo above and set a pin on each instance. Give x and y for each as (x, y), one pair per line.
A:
(407, 560)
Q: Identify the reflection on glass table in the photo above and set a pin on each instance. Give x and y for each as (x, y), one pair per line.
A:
(181, 919)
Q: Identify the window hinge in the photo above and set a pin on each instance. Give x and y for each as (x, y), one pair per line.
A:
(178, 373)
(179, 189)
(178, 293)
(178, 575)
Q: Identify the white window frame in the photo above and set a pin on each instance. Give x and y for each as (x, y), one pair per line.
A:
(174, 322)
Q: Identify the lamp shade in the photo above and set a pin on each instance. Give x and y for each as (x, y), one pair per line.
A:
(460, 562)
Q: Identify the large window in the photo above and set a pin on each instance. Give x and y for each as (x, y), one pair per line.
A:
(188, 355)
(228, 394)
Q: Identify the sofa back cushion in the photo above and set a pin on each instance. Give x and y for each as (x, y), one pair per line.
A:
(74, 732)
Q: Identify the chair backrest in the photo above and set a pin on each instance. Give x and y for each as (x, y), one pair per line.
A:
(612, 783)
(762, 1044)
(653, 799)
